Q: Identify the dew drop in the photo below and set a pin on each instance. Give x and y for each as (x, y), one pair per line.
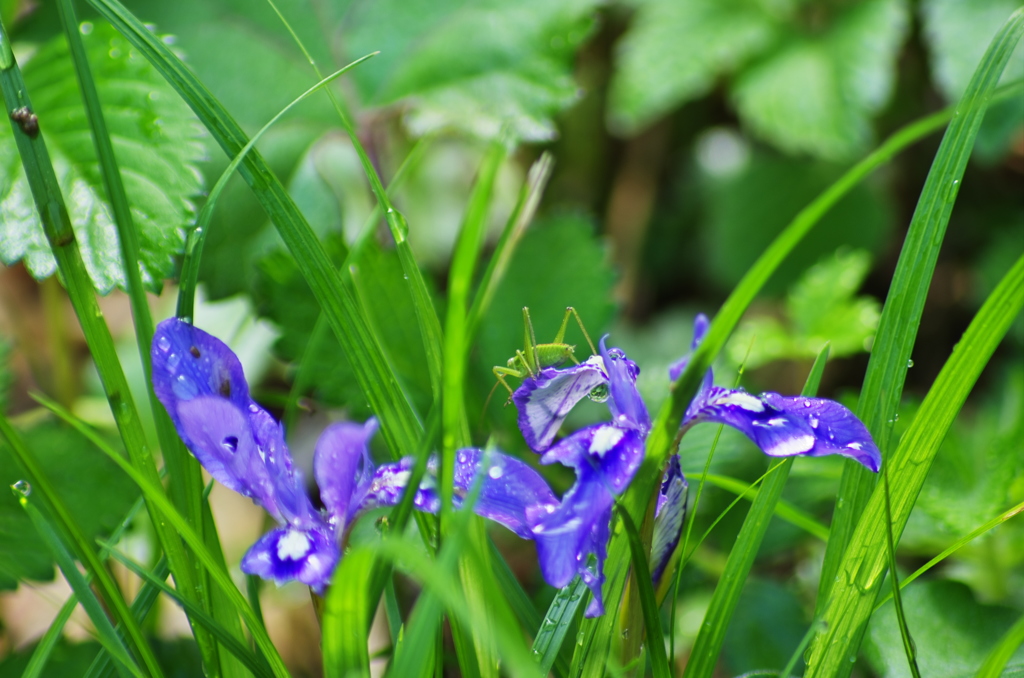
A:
(910, 363)
(172, 361)
(163, 343)
(807, 403)
(495, 472)
(85, 28)
(22, 487)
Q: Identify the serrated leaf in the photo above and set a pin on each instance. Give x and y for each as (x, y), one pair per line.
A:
(93, 488)
(674, 50)
(477, 67)
(156, 142)
(816, 93)
(952, 631)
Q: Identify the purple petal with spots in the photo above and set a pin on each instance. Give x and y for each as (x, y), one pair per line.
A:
(787, 426)
(628, 408)
(200, 382)
(545, 400)
(188, 363)
(668, 518)
(701, 324)
(341, 463)
(288, 553)
(509, 487)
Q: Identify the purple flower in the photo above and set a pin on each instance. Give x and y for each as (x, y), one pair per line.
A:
(200, 382)
(606, 456)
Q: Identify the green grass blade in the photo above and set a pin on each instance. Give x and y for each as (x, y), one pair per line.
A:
(106, 634)
(513, 591)
(901, 315)
(41, 654)
(226, 639)
(454, 421)
(556, 624)
(218, 575)
(523, 213)
(423, 305)
(863, 566)
(197, 236)
(890, 551)
(401, 428)
(345, 634)
(648, 604)
(997, 658)
(186, 481)
(141, 606)
(105, 585)
(708, 644)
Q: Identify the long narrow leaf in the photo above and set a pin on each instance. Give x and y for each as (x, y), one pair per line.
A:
(107, 635)
(901, 315)
(863, 566)
(559, 618)
(233, 645)
(648, 604)
(53, 213)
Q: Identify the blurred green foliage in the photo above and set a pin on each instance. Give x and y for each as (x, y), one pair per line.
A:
(686, 135)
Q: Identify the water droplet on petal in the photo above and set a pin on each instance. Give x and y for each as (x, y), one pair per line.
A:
(163, 343)
(495, 472)
(172, 361)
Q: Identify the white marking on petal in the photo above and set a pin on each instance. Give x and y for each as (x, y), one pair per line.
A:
(777, 421)
(855, 446)
(605, 438)
(567, 526)
(293, 545)
(790, 446)
(744, 400)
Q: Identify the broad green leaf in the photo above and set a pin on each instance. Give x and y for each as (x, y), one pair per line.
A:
(820, 307)
(77, 469)
(155, 139)
(477, 67)
(953, 632)
(817, 93)
(674, 51)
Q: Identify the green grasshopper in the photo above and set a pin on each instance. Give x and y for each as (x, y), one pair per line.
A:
(534, 357)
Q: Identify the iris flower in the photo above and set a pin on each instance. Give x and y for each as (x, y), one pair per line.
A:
(200, 382)
(572, 538)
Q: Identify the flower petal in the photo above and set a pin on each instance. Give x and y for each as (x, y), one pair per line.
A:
(341, 449)
(668, 518)
(188, 362)
(509, 489)
(287, 553)
(701, 324)
(567, 536)
(787, 426)
(546, 399)
(628, 408)
(614, 453)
